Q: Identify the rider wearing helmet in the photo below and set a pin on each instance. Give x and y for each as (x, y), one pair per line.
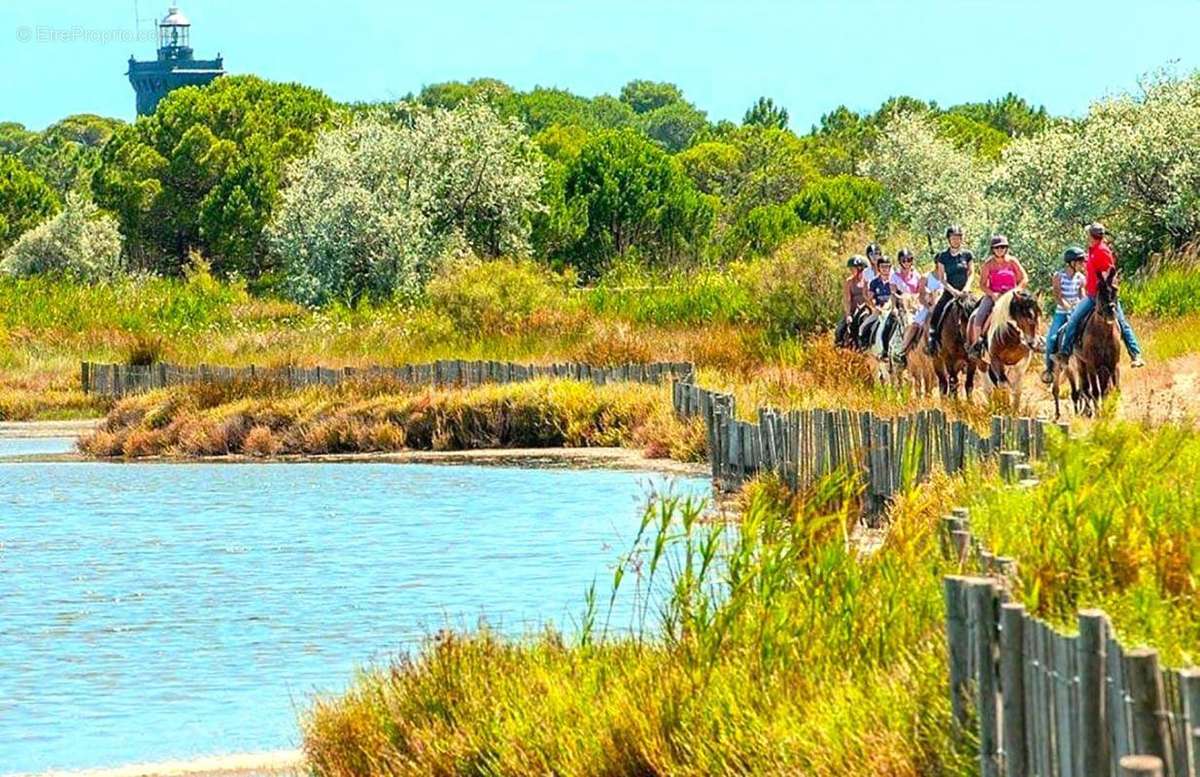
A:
(1000, 274)
(873, 252)
(1100, 260)
(954, 270)
(1068, 291)
(854, 292)
(908, 282)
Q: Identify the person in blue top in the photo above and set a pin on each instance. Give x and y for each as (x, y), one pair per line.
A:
(881, 284)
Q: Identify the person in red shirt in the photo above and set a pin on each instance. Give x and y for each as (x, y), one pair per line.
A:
(1100, 259)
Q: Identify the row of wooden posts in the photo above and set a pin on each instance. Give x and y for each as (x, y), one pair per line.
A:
(1046, 704)
(118, 380)
(804, 445)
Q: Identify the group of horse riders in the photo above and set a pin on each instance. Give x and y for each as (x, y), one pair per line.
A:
(874, 288)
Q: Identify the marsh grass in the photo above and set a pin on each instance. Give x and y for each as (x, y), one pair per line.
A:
(768, 645)
(1115, 524)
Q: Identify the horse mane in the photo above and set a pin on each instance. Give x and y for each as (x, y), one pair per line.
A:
(1001, 315)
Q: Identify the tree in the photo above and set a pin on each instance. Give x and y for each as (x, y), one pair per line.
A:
(714, 167)
(645, 96)
(80, 242)
(1011, 115)
(765, 113)
(377, 205)
(929, 182)
(25, 199)
(761, 231)
(839, 202)
(674, 125)
(634, 196)
(983, 140)
(203, 171)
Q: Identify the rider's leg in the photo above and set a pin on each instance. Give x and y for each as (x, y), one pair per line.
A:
(1056, 323)
(935, 322)
(1071, 328)
(1127, 335)
(975, 324)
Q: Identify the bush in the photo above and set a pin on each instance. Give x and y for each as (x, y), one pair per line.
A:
(839, 202)
(761, 231)
(1171, 293)
(80, 242)
(494, 297)
(799, 288)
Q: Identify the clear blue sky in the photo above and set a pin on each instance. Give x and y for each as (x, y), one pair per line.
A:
(809, 56)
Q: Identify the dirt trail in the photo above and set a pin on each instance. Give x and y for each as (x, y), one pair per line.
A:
(1159, 392)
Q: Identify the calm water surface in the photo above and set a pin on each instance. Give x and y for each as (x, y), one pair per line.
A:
(160, 611)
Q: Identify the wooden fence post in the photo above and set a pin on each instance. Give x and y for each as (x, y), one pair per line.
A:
(981, 614)
(1146, 705)
(1141, 766)
(1189, 688)
(1012, 688)
(1093, 714)
(954, 590)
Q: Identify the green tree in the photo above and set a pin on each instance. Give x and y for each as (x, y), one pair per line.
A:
(714, 167)
(1011, 115)
(674, 125)
(543, 107)
(838, 202)
(25, 199)
(645, 96)
(761, 231)
(634, 197)
(765, 113)
(985, 141)
(203, 171)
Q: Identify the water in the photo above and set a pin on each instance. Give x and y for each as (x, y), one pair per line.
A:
(159, 611)
(35, 446)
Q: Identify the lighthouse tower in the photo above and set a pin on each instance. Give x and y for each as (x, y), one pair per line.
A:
(175, 66)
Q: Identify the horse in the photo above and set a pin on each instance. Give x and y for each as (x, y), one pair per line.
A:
(848, 335)
(951, 357)
(919, 366)
(1011, 339)
(1093, 370)
(885, 339)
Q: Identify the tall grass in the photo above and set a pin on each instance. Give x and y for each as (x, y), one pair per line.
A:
(1115, 524)
(1169, 293)
(772, 646)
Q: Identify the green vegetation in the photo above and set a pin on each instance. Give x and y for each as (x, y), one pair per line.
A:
(257, 418)
(767, 645)
(1113, 524)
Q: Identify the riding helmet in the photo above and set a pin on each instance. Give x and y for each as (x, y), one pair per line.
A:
(857, 262)
(953, 229)
(905, 253)
(1096, 229)
(873, 249)
(1074, 254)
(999, 241)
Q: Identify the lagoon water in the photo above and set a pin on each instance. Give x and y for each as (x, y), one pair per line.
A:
(161, 611)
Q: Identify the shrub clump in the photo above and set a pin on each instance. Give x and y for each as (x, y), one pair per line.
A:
(79, 242)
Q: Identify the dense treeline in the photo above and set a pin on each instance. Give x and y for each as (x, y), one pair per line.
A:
(279, 184)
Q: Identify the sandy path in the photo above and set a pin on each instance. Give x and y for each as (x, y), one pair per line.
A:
(1157, 393)
(277, 763)
(48, 428)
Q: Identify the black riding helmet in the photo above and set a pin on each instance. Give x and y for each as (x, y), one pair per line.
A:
(873, 249)
(905, 253)
(857, 262)
(1074, 254)
(953, 229)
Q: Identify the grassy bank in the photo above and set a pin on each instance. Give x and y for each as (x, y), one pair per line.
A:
(775, 649)
(259, 418)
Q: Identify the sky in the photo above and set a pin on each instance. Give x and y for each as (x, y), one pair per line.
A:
(60, 57)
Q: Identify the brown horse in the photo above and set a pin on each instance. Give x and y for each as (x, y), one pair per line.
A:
(1011, 340)
(951, 357)
(1093, 371)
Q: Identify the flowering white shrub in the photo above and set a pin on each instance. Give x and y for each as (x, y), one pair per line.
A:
(930, 184)
(80, 241)
(377, 204)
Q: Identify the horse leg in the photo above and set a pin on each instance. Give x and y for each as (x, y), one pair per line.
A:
(970, 378)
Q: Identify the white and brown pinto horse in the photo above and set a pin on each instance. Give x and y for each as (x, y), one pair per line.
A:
(1012, 340)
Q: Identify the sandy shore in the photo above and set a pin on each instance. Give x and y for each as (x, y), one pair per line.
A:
(276, 763)
(75, 428)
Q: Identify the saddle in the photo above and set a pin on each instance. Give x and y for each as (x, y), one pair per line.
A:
(968, 305)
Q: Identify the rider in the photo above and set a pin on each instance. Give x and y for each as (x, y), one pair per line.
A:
(873, 254)
(954, 269)
(1001, 273)
(854, 290)
(881, 287)
(908, 281)
(1099, 260)
(1068, 291)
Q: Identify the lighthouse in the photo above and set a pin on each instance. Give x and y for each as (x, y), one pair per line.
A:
(175, 65)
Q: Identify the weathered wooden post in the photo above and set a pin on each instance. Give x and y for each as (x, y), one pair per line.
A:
(981, 616)
(954, 592)
(1141, 766)
(1093, 714)
(1149, 719)
(1189, 688)
(1012, 688)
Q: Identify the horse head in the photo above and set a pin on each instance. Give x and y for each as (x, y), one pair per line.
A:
(1024, 311)
(1106, 295)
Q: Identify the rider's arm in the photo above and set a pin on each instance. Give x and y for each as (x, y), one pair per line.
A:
(970, 276)
(1022, 276)
(985, 279)
(1056, 284)
(846, 298)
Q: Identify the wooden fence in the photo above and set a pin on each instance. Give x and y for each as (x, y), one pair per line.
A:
(1046, 704)
(804, 445)
(118, 380)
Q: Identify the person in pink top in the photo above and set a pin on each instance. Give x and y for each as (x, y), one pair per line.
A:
(1001, 273)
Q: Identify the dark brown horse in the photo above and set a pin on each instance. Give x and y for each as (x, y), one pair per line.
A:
(1093, 371)
(951, 357)
(1011, 340)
